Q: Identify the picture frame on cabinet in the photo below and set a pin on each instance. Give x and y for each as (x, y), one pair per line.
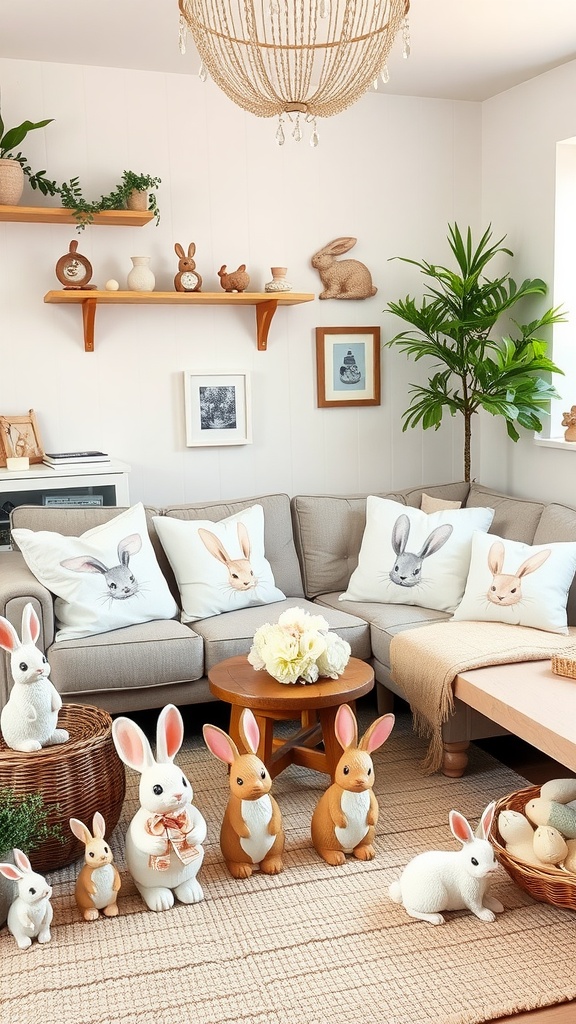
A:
(20, 436)
(217, 407)
(348, 366)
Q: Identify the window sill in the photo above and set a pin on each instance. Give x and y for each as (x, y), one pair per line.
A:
(555, 442)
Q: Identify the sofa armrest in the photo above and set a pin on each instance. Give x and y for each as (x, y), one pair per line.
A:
(18, 586)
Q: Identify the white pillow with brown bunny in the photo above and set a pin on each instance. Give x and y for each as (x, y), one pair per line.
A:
(219, 567)
(513, 582)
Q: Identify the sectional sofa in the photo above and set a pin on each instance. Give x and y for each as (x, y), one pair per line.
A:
(312, 543)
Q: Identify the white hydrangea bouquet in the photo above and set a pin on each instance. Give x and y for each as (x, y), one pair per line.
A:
(299, 648)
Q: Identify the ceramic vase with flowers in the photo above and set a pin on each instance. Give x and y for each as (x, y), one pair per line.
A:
(299, 648)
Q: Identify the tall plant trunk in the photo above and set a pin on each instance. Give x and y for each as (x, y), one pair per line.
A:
(467, 439)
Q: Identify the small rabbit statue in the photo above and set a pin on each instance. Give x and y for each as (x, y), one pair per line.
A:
(30, 914)
(346, 815)
(187, 279)
(98, 883)
(451, 880)
(342, 279)
(237, 281)
(29, 718)
(164, 840)
(251, 833)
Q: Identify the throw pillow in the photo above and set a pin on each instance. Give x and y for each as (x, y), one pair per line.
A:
(219, 566)
(106, 578)
(428, 503)
(510, 581)
(410, 557)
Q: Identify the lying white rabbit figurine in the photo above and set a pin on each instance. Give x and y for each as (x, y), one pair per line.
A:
(163, 842)
(30, 914)
(29, 718)
(451, 880)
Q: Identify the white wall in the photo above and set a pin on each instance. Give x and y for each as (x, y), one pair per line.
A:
(392, 171)
(520, 130)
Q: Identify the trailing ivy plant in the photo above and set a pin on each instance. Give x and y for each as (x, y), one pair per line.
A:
(10, 139)
(73, 199)
(24, 822)
(452, 325)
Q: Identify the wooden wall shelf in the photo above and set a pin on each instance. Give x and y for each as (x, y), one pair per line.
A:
(266, 304)
(59, 215)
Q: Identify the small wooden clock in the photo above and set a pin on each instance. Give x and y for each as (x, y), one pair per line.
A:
(74, 270)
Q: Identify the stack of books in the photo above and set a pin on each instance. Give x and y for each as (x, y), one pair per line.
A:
(58, 460)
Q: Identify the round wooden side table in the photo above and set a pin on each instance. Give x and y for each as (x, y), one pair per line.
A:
(314, 705)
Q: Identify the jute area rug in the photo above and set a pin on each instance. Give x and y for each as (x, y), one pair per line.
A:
(314, 945)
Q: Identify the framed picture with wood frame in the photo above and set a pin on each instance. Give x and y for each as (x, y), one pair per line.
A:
(348, 366)
(19, 435)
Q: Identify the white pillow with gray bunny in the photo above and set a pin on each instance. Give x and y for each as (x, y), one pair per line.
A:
(219, 567)
(512, 582)
(105, 579)
(409, 557)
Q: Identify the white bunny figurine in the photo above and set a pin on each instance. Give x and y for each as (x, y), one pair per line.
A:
(451, 880)
(30, 914)
(29, 718)
(163, 842)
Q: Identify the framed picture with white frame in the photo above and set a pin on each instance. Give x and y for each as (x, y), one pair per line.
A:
(217, 407)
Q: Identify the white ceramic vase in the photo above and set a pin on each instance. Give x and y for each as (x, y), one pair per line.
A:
(141, 278)
(278, 282)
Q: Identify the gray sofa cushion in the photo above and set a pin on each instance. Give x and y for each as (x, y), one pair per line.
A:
(230, 634)
(558, 523)
(514, 518)
(149, 654)
(278, 540)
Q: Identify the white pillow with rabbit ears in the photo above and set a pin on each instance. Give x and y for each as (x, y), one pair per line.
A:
(219, 567)
(105, 579)
(513, 582)
(410, 557)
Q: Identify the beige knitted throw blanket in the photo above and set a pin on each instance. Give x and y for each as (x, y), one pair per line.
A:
(425, 661)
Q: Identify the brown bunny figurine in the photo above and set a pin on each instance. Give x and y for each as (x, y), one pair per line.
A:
(346, 815)
(251, 832)
(187, 279)
(236, 281)
(98, 883)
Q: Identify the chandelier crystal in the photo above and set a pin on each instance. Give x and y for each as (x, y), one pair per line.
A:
(296, 57)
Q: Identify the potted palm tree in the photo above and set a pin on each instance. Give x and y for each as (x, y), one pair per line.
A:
(452, 325)
(14, 165)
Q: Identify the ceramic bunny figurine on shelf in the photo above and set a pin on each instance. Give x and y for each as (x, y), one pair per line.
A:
(451, 880)
(236, 281)
(29, 718)
(342, 279)
(251, 833)
(164, 840)
(30, 914)
(346, 815)
(98, 883)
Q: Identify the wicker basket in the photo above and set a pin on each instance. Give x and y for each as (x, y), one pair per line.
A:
(76, 778)
(565, 664)
(546, 884)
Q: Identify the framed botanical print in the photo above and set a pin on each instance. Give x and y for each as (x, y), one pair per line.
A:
(217, 407)
(19, 436)
(348, 366)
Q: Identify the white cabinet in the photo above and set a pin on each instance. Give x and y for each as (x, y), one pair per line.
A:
(41, 485)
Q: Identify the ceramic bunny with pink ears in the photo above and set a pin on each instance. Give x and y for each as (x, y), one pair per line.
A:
(29, 718)
(164, 840)
(346, 815)
(30, 913)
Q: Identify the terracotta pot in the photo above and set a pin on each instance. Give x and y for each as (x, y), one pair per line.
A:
(137, 201)
(11, 182)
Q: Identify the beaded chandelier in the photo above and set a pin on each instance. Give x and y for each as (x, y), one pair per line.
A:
(294, 57)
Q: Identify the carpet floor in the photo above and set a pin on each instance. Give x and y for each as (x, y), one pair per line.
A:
(313, 945)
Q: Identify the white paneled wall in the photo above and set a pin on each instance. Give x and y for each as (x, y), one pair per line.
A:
(393, 171)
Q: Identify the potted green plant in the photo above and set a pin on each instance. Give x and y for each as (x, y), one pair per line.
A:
(24, 824)
(14, 165)
(452, 325)
(118, 199)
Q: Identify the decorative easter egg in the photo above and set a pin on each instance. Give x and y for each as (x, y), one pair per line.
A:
(112, 285)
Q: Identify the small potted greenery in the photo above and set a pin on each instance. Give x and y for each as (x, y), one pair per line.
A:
(23, 824)
(14, 165)
(119, 198)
